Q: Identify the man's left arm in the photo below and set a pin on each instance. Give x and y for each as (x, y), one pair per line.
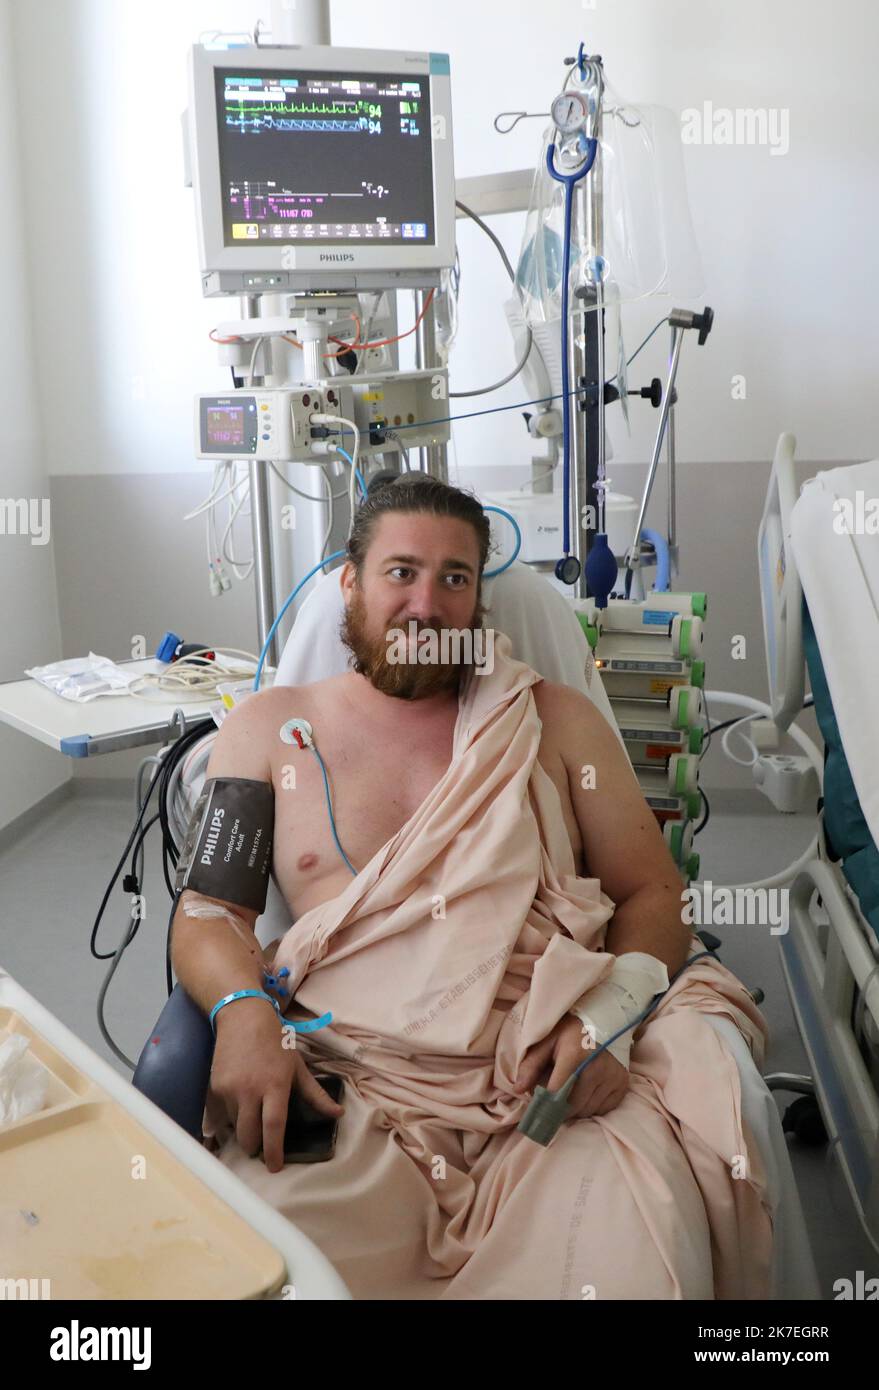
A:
(624, 849)
(623, 846)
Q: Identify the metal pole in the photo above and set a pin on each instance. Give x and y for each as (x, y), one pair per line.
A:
(599, 317)
(672, 495)
(262, 554)
(635, 549)
(313, 337)
(432, 458)
(587, 361)
(263, 568)
(305, 22)
(579, 345)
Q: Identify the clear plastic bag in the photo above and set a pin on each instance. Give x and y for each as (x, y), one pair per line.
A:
(641, 230)
(82, 678)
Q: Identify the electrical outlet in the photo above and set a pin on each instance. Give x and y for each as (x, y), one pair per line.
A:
(786, 781)
(765, 736)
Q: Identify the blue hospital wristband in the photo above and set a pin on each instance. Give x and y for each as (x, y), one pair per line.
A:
(240, 994)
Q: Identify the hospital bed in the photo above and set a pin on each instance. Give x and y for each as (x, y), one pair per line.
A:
(819, 577)
(175, 1073)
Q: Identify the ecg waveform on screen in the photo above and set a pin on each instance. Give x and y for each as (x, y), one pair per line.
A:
(331, 117)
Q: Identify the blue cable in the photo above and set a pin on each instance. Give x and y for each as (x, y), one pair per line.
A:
(568, 181)
(517, 405)
(336, 555)
(491, 574)
(330, 809)
(364, 490)
(474, 414)
(566, 379)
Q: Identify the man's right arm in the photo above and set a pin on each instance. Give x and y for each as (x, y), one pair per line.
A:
(253, 1072)
(210, 956)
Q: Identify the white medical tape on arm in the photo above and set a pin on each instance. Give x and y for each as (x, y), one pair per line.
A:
(634, 981)
(204, 909)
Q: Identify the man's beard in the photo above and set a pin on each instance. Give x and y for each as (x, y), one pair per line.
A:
(404, 680)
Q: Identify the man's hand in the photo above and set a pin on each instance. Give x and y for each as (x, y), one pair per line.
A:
(254, 1074)
(599, 1088)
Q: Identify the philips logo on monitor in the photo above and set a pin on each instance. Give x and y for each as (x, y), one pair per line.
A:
(336, 256)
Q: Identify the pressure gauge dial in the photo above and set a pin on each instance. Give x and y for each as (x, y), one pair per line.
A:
(570, 112)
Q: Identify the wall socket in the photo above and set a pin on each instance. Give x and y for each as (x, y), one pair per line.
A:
(786, 781)
(765, 736)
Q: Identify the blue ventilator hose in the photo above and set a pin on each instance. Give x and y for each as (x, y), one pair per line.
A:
(663, 558)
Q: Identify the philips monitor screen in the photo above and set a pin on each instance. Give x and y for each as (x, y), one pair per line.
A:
(331, 157)
(321, 168)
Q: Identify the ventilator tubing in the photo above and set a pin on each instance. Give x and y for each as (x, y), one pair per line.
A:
(635, 980)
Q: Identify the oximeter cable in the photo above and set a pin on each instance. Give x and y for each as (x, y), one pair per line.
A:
(549, 1109)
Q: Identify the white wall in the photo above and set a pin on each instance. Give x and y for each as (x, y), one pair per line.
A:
(121, 324)
(787, 241)
(103, 243)
(29, 627)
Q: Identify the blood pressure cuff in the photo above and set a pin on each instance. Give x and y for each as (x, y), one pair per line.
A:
(227, 852)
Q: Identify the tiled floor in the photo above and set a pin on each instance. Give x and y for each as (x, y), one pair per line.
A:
(53, 876)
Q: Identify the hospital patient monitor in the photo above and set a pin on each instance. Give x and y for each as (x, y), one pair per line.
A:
(321, 168)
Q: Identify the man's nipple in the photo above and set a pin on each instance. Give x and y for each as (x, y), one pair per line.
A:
(306, 861)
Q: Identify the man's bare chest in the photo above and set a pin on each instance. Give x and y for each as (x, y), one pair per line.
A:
(376, 784)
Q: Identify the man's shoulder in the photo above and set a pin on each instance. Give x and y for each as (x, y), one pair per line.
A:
(570, 720)
(280, 696)
(277, 703)
(560, 699)
(249, 736)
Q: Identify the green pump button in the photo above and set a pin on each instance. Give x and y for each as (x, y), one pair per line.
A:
(590, 631)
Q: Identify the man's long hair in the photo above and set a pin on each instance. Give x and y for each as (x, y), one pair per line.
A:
(415, 492)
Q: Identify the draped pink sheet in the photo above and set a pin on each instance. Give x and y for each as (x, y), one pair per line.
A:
(460, 944)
